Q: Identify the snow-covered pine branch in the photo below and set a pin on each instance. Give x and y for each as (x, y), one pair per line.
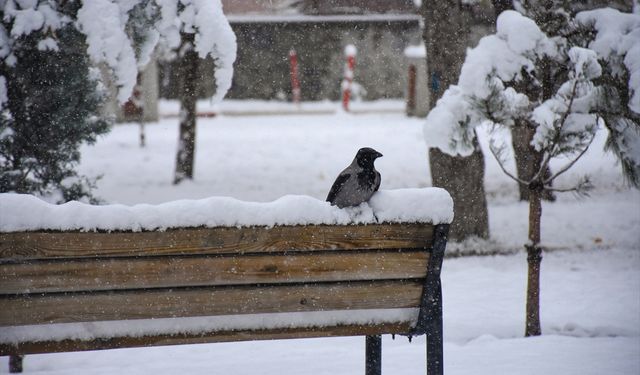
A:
(50, 99)
(504, 80)
(482, 92)
(565, 124)
(617, 42)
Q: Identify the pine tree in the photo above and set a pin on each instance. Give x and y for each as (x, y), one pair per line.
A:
(51, 107)
(560, 82)
(50, 95)
(615, 37)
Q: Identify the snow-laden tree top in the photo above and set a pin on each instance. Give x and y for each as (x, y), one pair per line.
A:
(562, 85)
(22, 212)
(618, 42)
(106, 24)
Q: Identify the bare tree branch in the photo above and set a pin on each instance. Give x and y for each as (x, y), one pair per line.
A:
(497, 154)
(582, 188)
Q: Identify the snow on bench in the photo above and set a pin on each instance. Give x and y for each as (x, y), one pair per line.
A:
(82, 277)
(28, 213)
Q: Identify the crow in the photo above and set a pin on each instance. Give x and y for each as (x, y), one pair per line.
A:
(358, 182)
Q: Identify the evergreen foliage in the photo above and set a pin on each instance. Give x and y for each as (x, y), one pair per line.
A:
(52, 105)
(558, 77)
(50, 93)
(613, 88)
(561, 78)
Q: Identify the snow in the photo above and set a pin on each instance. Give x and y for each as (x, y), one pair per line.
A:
(618, 34)
(26, 21)
(29, 16)
(3, 91)
(520, 33)
(416, 52)
(350, 50)
(104, 22)
(253, 107)
(48, 44)
(451, 109)
(27, 213)
(516, 44)
(173, 326)
(497, 58)
(214, 38)
(585, 62)
(590, 272)
(486, 89)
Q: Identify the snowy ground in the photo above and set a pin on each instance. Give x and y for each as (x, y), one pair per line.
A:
(590, 282)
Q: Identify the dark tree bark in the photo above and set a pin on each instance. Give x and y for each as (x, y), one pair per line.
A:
(521, 136)
(446, 36)
(188, 97)
(534, 251)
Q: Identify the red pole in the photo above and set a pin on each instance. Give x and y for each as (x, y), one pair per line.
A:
(295, 82)
(350, 52)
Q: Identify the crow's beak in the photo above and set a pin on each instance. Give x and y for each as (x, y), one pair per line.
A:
(378, 155)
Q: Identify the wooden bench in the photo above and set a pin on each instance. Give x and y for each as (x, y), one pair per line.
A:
(202, 285)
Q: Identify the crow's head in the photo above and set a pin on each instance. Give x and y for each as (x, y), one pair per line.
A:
(366, 156)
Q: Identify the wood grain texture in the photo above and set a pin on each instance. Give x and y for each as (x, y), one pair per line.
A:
(180, 271)
(44, 245)
(204, 337)
(211, 301)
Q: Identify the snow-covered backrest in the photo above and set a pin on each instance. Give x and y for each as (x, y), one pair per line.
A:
(117, 276)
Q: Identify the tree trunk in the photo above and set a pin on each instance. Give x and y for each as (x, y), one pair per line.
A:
(446, 37)
(463, 178)
(534, 253)
(521, 136)
(188, 98)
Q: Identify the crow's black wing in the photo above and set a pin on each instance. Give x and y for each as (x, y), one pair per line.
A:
(379, 179)
(337, 186)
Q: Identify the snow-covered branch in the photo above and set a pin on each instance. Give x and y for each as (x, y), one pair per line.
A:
(520, 75)
(107, 25)
(482, 92)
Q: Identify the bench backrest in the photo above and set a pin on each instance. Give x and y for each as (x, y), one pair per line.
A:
(215, 284)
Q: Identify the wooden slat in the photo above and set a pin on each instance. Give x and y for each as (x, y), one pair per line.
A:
(204, 337)
(160, 303)
(164, 272)
(42, 245)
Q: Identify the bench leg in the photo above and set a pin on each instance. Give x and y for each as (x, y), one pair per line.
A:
(15, 363)
(435, 363)
(373, 355)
